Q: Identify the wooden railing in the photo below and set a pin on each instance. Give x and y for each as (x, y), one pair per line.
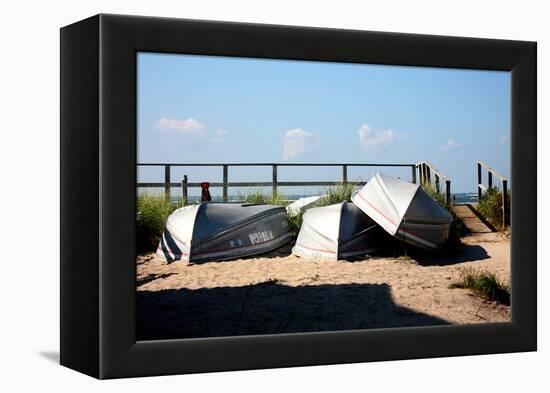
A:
(428, 172)
(274, 183)
(491, 175)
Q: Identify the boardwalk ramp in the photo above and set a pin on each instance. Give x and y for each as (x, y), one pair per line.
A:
(472, 219)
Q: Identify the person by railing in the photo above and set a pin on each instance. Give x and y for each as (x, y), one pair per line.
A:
(205, 193)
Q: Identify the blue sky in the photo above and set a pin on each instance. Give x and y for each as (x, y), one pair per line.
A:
(223, 109)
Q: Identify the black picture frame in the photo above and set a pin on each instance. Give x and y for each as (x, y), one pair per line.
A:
(98, 180)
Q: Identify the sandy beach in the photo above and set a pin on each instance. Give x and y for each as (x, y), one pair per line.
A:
(283, 293)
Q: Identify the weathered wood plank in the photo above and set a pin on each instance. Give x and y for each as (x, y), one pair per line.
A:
(274, 177)
(225, 184)
(167, 182)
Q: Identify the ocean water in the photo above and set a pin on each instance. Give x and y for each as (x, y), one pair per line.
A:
(465, 197)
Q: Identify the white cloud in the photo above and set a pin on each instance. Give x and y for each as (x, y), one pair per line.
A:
(189, 126)
(451, 144)
(193, 127)
(296, 142)
(369, 138)
(219, 135)
(503, 139)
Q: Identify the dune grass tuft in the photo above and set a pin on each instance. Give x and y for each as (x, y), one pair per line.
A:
(490, 206)
(485, 284)
(261, 198)
(336, 194)
(295, 221)
(437, 196)
(152, 212)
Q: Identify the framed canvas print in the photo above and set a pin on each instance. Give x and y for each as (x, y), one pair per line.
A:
(239, 196)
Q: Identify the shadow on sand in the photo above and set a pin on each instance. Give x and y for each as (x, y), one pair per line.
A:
(152, 277)
(269, 308)
(393, 248)
(465, 253)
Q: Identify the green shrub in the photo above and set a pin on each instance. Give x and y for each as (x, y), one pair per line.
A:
(260, 198)
(485, 284)
(437, 196)
(257, 197)
(295, 221)
(152, 212)
(490, 206)
(336, 194)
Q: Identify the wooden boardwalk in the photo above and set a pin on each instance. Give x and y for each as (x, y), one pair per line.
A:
(472, 220)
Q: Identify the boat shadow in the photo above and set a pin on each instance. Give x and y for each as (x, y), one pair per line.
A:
(464, 253)
(459, 253)
(270, 308)
(281, 252)
(393, 248)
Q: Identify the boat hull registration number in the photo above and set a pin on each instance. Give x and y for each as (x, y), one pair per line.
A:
(260, 237)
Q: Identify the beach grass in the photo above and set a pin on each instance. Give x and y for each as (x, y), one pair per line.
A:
(484, 283)
(437, 196)
(336, 194)
(152, 212)
(260, 198)
(295, 221)
(490, 206)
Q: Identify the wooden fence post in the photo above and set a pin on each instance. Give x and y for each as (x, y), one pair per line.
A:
(436, 183)
(167, 182)
(490, 179)
(504, 203)
(344, 174)
(184, 190)
(225, 175)
(424, 172)
(478, 181)
(448, 191)
(429, 174)
(274, 181)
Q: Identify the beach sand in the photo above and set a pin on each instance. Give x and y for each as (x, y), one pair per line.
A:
(283, 293)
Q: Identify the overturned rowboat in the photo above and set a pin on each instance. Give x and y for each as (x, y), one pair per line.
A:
(302, 204)
(405, 211)
(339, 231)
(222, 231)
